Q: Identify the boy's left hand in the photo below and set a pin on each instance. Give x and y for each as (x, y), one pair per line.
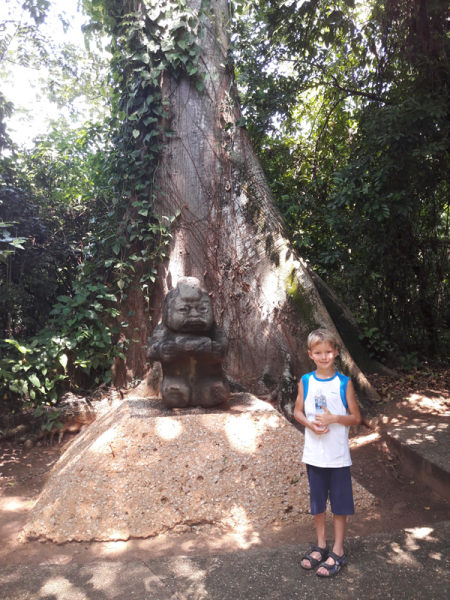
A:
(326, 418)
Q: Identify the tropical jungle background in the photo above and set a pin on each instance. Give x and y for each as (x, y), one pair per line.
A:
(348, 106)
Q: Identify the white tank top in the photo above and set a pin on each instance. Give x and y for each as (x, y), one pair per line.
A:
(330, 449)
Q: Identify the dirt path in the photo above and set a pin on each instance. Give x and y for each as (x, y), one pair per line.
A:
(400, 502)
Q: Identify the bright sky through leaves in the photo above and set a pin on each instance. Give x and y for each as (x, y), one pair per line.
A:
(22, 86)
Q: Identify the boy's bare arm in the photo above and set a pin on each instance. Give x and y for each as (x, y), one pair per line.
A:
(299, 414)
(354, 418)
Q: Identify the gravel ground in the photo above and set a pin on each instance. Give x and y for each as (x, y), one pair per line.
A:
(142, 470)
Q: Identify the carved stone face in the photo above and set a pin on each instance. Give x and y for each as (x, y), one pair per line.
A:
(191, 310)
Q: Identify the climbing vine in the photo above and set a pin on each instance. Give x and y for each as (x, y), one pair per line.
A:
(145, 43)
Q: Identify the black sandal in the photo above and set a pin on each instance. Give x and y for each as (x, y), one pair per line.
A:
(339, 562)
(314, 562)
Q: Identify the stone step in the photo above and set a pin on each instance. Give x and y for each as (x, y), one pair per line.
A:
(423, 449)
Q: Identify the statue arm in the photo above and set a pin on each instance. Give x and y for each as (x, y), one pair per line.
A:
(194, 345)
(162, 345)
(219, 343)
(167, 346)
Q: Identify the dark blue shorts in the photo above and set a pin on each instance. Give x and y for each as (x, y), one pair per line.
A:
(336, 482)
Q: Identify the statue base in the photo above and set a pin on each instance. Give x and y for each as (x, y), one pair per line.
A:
(142, 470)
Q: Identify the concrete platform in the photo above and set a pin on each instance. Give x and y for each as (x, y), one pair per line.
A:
(423, 449)
(401, 565)
(142, 470)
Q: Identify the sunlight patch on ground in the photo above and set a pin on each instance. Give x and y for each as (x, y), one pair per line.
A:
(168, 429)
(421, 533)
(185, 568)
(240, 517)
(244, 533)
(402, 556)
(102, 577)
(362, 441)
(15, 504)
(418, 533)
(418, 433)
(105, 440)
(248, 539)
(435, 555)
(58, 588)
(242, 433)
(113, 548)
(434, 404)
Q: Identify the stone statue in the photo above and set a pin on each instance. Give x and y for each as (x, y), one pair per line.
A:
(191, 347)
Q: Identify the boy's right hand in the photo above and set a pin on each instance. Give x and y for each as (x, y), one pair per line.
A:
(318, 428)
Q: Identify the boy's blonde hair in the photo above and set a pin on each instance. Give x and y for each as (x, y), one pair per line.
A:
(321, 335)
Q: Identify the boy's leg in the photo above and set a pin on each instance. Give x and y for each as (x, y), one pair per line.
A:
(318, 488)
(319, 521)
(341, 498)
(339, 522)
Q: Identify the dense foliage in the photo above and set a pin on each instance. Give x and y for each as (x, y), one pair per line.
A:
(348, 105)
(83, 199)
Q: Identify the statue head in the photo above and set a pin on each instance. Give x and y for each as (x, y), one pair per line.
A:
(188, 307)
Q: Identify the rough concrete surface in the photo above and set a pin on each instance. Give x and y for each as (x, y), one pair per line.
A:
(423, 448)
(142, 470)
(403, 565)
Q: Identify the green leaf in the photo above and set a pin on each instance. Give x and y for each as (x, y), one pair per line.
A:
(21, 349)
(34, 380)
(63, 360)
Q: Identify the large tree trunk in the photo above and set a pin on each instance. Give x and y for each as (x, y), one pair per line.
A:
(230, 233)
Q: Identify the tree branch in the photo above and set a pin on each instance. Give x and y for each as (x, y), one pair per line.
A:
(351, 92)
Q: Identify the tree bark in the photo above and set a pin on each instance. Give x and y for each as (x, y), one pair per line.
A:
(230, 233)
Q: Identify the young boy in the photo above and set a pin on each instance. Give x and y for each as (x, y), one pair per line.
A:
(327, 407)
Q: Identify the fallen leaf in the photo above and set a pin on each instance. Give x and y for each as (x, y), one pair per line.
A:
(426, 507)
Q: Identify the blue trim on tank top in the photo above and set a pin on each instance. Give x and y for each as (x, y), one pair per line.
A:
(329, 379)
(343, 387)
(344, 381)
(305, 380)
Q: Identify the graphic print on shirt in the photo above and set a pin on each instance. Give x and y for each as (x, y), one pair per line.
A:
(319, 401)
